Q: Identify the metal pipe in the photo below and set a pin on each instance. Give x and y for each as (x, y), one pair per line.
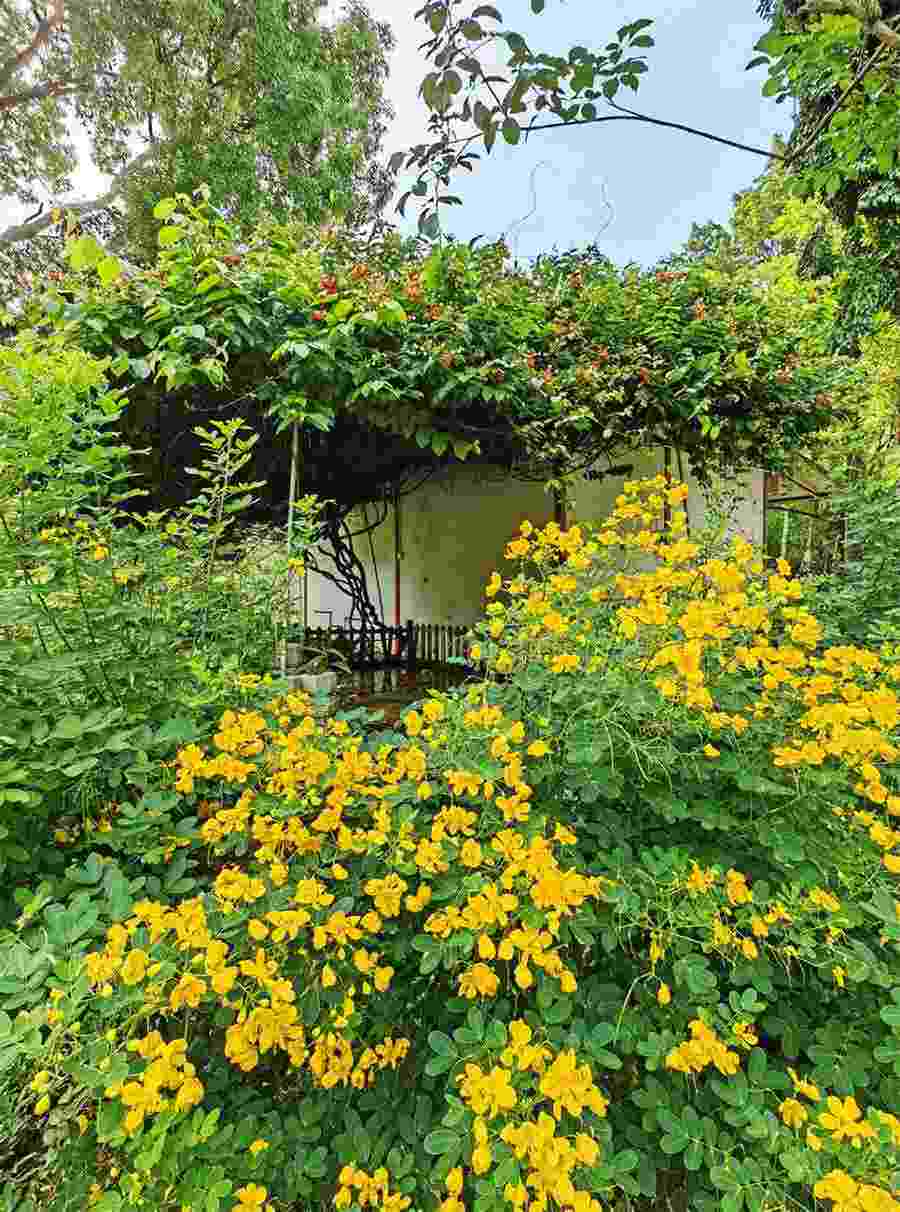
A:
(397, 558)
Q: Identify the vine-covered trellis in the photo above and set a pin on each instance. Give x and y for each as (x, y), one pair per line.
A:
(389, 363)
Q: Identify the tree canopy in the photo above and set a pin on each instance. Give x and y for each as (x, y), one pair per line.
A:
(271, 108)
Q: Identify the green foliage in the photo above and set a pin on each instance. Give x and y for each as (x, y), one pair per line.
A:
(112, 620)
(613, 916)
(552, 363)
(860, 599)
(275, 109)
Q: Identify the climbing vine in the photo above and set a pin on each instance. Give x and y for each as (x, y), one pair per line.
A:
(451, 353)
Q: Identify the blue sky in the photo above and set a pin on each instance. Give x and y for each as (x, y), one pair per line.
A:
(657, 182)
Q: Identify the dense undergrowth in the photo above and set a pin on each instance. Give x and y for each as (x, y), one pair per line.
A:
(617, 926)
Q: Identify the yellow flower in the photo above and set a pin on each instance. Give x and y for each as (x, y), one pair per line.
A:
(258, 1146)
(188, 992)
(837, 1186)
(664, 994)
(538, 749)
(793, 1113)
(470, 853)
(802, 1086)
(249, 1197)
(845, 1119)
(481, 1159)
(478, 981)
(566, 662)
(586, 1149)
(504, 662)
(135, 967)
(711, 751)
(42, 1106)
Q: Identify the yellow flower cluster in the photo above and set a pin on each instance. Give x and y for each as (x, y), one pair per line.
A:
(722, 614)
(550, 1157)
(169, 1069)
(550, 1160)
(355, 1186)
(351, 844)
(702, 1049)
(848, 1195)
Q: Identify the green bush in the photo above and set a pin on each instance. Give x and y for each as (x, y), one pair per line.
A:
(620, 927)
(120, 632)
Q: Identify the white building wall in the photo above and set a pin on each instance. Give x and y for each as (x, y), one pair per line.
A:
(454, 529)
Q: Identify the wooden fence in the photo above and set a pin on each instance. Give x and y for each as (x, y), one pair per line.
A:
(410, 645)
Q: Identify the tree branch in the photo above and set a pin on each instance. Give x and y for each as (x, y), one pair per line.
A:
(825, 121)
(28, 230)
(53, 21)
(629, 116)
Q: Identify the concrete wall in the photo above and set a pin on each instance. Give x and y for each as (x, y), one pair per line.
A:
(455, 528)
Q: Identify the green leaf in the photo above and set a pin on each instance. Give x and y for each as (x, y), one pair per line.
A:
(511, 131)
(671, 1145)
(693, 1156)
(164, 208)
(83, 253)
(756, 1068)
(168, 236)
(429, 225)
(495, 1035)
(109, 269)
(441, 1141)
(68, 728)
(436, 1065)
(441, 1044)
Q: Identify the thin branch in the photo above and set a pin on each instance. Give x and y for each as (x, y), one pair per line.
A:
(26, 231)
(692, 130)
(628, 115)
(825, 121)
(53, 21)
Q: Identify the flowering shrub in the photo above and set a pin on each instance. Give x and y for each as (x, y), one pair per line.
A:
(332, 329)
(622, 923)
(114, 624)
